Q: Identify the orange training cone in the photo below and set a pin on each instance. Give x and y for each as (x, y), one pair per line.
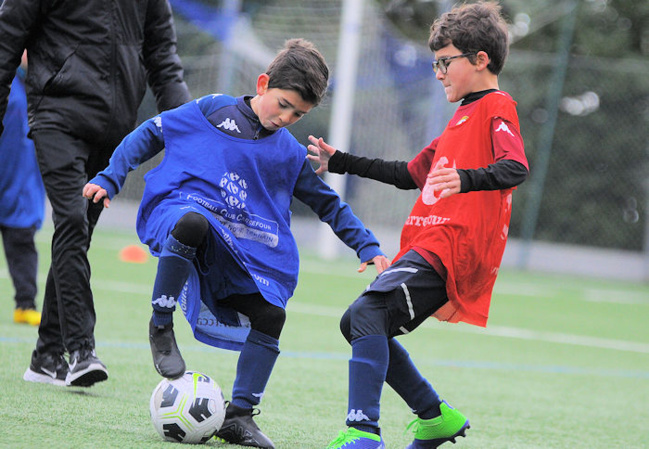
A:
(133, 254)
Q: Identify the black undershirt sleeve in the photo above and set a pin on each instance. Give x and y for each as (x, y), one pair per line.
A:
(389, 172)
(503, 174)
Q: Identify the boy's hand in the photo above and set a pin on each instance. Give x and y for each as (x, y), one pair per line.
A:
(321, 153)
(96, 193)
(446, 180)
(380, 262)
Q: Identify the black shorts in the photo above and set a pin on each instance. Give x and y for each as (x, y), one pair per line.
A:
(397, 301)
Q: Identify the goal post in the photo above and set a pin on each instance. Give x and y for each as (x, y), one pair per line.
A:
(343, 107)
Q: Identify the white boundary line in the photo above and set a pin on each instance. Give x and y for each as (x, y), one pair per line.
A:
(294, 306)
(497, 331)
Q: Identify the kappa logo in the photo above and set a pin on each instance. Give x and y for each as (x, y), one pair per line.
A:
(503, 127)
(230, 125)
(165, 302)
(357, 416)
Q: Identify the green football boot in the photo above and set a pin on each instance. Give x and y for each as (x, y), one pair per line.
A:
(431, 433)
(357, 439)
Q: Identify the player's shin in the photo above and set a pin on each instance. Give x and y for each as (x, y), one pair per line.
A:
(174, 265)
(406, 380)
(255, 365)
(256, 362)
(367, 371)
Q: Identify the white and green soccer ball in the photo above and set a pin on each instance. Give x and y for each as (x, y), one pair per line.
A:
(190, 409)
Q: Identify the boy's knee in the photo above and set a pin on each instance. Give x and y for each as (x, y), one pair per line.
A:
(269, 321)
(191, 229)
(346, 326)
(368, 315)
(275, 313)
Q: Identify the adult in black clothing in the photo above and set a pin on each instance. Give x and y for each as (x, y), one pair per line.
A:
(89, 64)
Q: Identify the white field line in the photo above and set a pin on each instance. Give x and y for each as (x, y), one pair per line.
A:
(494, 331)
(497, 331)
(555, 337)
(519, 289)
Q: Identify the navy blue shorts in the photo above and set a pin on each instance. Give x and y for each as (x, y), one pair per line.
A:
(397, 301)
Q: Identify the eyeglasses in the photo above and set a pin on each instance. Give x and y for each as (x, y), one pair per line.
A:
(442, 63)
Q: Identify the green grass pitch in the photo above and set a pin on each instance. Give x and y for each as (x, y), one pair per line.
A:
(564, 363)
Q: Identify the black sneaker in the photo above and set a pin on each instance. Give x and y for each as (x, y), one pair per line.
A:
(47, 369)
(239, 428)
(85, 369)
(166, 356)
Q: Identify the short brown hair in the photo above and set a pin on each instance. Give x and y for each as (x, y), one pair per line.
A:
(472, 28)
(299, 66)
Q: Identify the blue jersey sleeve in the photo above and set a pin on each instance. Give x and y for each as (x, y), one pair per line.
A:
(136, 148)
(326, 203)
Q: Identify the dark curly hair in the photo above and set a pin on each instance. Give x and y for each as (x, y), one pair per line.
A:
(472, 28)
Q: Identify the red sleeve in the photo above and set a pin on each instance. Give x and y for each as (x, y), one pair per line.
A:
(507, 142)
(420, 165)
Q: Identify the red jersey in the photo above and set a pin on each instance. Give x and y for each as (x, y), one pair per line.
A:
(464, 236)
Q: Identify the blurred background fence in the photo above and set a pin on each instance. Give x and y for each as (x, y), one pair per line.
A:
(578, 70)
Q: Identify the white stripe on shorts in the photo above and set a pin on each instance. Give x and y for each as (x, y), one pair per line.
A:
(411, 310)
(395, 270)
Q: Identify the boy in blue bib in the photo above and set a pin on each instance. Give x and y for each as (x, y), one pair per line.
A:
(216, 212)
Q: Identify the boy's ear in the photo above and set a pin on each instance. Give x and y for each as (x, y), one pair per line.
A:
(262, 83)
(482, 60)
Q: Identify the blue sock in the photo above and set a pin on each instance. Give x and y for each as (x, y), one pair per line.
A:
(367, 370)
(256, 362)
(408, 382)
(174, 264)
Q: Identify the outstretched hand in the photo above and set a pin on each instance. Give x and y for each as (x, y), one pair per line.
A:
(321, 152)
(380, 262)
(96, 193)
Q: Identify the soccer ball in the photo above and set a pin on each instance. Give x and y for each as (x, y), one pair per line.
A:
(189, 409)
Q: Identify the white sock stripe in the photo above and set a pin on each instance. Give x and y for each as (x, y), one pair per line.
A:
(408, 301)
(404, 330)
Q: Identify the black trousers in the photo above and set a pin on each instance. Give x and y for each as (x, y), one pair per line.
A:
(22, 261)
(66, 164)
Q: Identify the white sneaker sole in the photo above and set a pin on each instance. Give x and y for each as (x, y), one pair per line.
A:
(33, 376)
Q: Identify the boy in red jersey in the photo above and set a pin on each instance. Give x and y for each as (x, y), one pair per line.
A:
(453, 241)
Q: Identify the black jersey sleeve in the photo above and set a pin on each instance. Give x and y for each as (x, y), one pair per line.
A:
(500, 175)
(389, 172)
